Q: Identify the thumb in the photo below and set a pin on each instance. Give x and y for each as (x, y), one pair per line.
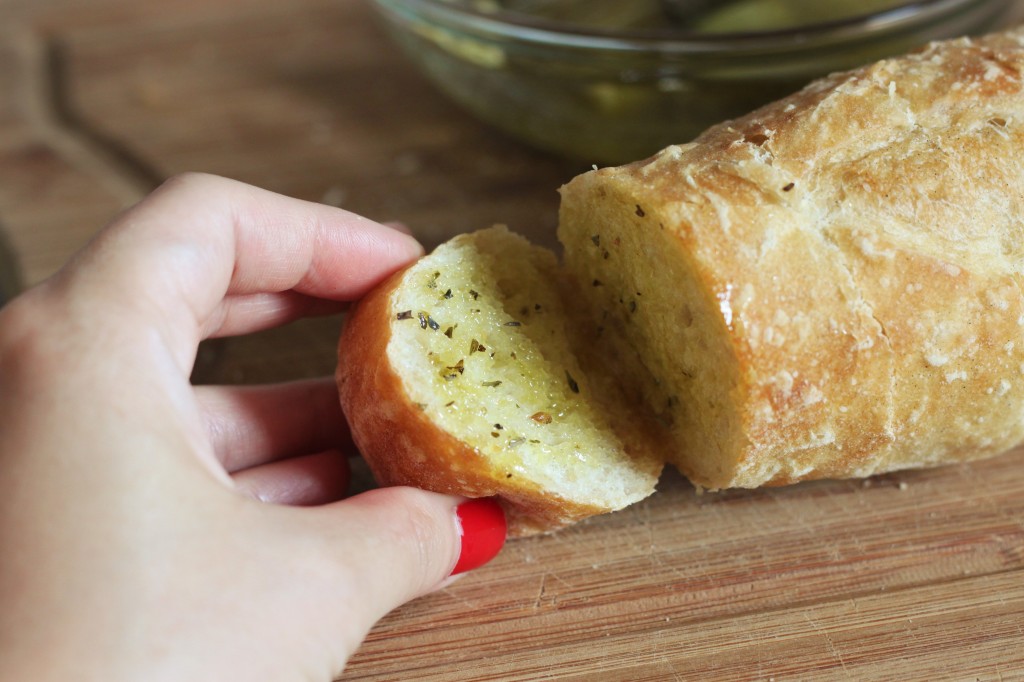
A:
(399, 543)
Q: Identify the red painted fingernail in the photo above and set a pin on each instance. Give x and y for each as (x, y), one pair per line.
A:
(483, 526)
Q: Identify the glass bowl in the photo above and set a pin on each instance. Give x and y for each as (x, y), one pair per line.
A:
(607, 95)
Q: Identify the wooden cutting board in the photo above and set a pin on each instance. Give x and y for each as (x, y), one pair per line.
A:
(918, 575)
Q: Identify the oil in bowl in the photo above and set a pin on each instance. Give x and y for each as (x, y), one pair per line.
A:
(606, 81)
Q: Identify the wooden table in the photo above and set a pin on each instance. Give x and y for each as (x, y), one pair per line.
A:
(912, 576)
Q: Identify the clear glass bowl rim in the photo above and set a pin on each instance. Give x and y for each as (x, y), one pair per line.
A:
(515, 26)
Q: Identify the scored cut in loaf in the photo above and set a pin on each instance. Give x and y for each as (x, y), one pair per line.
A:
(828, 287)
(468, 373)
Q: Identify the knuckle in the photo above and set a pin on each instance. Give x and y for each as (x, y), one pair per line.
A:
(24, 330)
(193, 187)
(20, 319)
(185, 181)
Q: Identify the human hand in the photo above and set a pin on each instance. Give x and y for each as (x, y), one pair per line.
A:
(136, 541)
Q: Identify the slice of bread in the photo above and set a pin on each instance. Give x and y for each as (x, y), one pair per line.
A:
(469, 373)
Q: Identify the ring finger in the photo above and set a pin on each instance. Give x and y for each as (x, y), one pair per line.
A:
(308, 480)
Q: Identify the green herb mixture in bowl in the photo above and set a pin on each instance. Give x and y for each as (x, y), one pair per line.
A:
(608, 81)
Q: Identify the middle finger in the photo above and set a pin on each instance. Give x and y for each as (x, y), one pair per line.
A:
(253, 425)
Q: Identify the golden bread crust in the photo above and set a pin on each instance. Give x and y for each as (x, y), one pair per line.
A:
(404, 447)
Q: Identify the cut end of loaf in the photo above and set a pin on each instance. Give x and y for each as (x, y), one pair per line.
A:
(664, 317)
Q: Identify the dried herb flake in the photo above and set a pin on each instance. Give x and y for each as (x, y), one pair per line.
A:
(404, 315)
(454, 371)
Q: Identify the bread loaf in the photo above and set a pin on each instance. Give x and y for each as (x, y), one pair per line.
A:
(831, 285)
(827, 287)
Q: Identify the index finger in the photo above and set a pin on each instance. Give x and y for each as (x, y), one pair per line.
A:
(174, 257)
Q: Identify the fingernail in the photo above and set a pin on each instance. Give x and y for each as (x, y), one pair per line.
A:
(483, 528)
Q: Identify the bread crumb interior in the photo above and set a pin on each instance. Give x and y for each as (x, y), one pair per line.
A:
(481, 340)
(654, 311)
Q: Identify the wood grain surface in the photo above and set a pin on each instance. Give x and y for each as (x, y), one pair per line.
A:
(916, 576)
